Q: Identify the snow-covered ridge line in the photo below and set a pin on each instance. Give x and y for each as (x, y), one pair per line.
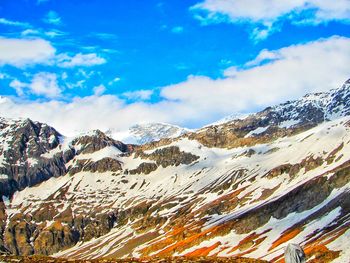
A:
(148, 132)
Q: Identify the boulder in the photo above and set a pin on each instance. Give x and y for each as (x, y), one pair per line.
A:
(294, 254)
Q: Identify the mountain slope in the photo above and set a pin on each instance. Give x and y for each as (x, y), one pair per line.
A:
(241, 188)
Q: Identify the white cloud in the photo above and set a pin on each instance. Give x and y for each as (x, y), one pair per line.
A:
(299, 69)
(271, 10)
(78, 84)
(85, 60)
(116, 79)
(99, 90)
(138, 95)
(262, 31)
(273, 77)
(93, 112)
(30, 32)
(7, 22)
(267, 12)
(53, 18)
(43, 84)
(41, 33)
(24, 52)
(265, 55)
(18, 86)
(54, 33)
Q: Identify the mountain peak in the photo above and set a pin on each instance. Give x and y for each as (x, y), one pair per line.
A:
(147, 132)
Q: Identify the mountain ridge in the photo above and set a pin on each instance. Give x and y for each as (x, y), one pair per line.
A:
(240, 188)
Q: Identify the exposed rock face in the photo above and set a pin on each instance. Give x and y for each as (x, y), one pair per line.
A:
(145, 168)
(101, 166)
(97, 140)
(53, 239)
(22, 144)
(30, 153)
(169, 156)
(23, 149)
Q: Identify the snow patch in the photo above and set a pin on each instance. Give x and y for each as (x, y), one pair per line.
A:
(257, 131)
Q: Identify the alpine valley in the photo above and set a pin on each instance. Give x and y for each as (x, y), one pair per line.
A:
(243, 187)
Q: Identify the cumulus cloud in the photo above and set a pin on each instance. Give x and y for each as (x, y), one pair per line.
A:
(43, 84)
(81, 114)
(265, 13)
(286, 74)
(85, 60)
(272, 77)
(24, 52)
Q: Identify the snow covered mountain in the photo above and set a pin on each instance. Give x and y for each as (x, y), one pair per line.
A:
(245, 187)
(148, 132)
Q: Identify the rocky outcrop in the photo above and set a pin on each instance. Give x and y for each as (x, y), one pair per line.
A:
(308, 164)
(169, 156)
(104, 165)
(97, 140)
(54, 238)
(144, 168)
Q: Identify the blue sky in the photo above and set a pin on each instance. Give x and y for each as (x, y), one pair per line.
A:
(183, 62)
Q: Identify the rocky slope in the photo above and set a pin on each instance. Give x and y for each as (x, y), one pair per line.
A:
(242, 188)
